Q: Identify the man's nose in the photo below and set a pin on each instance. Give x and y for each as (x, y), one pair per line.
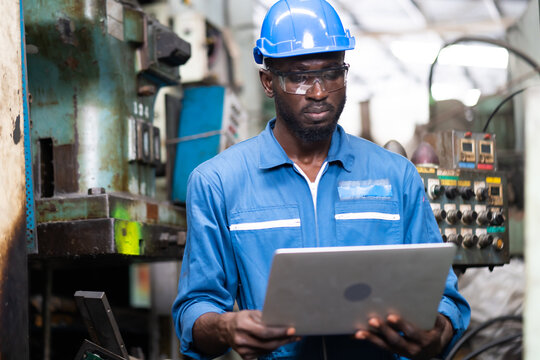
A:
(317, 91)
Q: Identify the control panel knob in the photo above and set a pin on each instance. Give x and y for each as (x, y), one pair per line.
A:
(498, 243)
(466, 193)
(455, 239)
(485, 240)
(498, 219)
(482, 194)
(444, 238)
(453, 216)
(440, 214)
(484, 217)
(470, 240)
(451, 192)
(435, 191)
(469, 217)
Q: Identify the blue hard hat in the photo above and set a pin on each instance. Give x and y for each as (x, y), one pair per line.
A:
(300, 27)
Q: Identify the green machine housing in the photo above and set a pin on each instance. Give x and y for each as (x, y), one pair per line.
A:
(94, 69)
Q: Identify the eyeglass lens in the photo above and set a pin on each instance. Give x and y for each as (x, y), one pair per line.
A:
(299, 83)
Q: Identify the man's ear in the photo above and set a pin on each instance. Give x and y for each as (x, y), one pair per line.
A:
(267, 82)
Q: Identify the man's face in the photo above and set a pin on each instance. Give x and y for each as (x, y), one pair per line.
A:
(313, 116)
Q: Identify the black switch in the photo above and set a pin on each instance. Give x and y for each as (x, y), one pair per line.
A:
(451, 192)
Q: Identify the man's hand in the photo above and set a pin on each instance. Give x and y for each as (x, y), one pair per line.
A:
(414, 343)
(243, 331)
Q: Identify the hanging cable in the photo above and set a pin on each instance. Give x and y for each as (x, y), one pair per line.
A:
(469, 334)
(492, 344)
(506, 99)
(529, 60)
(509, 84)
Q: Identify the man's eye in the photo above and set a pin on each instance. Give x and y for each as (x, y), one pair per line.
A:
(333, 75)
(296, 78)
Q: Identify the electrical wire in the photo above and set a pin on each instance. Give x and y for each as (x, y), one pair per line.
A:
(472, 332)
(492, 344)
(526, 58)
(450, 113)
(529, 60)
(500, 105)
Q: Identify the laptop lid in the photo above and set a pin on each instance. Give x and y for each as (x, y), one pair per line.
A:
(335, 290)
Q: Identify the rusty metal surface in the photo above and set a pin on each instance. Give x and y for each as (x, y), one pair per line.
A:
(72, 208)
(14, 293)
(126, 207)
(90, 238)
(72, 102)
(118, 206)
(65, 168)
(13, 261)
(91, 72)
(85, 237)
(109, 224)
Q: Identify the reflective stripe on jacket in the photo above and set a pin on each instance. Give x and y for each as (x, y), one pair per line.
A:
(250, 200)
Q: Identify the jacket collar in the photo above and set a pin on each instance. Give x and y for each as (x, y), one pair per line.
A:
(271, 154)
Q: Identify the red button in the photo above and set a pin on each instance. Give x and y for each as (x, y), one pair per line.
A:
(468, 134)
(487, 136)
(485, 167)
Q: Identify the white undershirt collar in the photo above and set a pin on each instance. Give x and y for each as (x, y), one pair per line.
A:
(313, 186)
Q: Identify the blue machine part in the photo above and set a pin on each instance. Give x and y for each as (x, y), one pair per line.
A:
(31, 236)
(199, 133)
(467, 165)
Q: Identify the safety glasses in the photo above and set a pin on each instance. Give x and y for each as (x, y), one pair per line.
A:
(300, 82)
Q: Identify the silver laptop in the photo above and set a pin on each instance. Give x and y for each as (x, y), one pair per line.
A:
(335, 290)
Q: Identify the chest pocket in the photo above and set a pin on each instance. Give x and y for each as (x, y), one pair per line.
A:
(368, 222)
(257, 233)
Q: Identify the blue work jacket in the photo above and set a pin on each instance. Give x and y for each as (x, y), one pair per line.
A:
(250, 200)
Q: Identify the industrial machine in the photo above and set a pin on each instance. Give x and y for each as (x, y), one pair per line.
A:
(211, 120)
(94, 69)
(210, 113)
(468, 196)
(212, 49)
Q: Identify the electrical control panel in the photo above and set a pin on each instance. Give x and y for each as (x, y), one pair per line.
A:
(470, 207)
(465, 150)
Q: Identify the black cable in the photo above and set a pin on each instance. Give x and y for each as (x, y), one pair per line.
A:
(529, 60)
(500, 105)
(491, 345)
(469, 334)
(508, 47)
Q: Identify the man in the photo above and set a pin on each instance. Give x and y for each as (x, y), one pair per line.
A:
(291, 187)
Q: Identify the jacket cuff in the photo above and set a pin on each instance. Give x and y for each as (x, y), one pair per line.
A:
(190, 315)
(450, 310)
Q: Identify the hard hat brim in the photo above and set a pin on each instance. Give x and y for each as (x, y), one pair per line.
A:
(287, 49)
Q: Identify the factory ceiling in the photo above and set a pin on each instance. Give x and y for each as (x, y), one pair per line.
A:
(395, 17)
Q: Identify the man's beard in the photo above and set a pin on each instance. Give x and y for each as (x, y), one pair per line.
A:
(306, 134)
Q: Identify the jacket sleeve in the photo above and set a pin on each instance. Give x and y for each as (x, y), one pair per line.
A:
(208, 279)
(421, 227)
